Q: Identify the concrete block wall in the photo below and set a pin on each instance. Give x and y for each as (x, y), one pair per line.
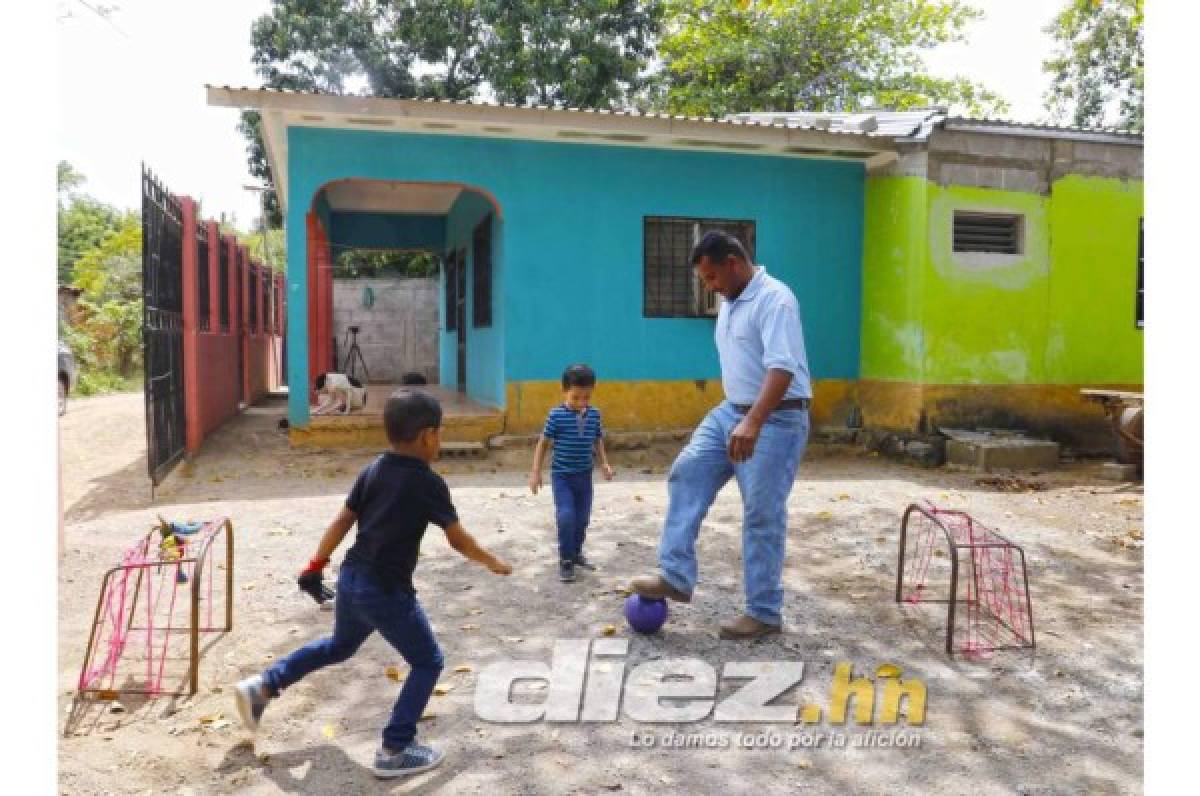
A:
(398, 333)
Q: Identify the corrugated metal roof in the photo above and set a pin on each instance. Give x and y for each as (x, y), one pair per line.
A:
(881, 123)
(912, 125)
(967, 123)
(916, 125)
(632, 112)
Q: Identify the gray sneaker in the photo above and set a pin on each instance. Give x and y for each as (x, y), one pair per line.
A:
(582, 562)
(414, 759)
(252, 698)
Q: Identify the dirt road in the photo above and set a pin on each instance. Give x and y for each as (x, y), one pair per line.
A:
(1066, 720)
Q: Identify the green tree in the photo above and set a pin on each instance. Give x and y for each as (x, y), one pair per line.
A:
(106, 337)
(731, 56)
(82, 221)
(1099, 62)
(588, 53)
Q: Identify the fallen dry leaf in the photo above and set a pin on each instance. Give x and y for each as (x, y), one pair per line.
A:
(825, 515)
(442, 690)
(803, 764)
(609, 630)
(209, 718)
(463, 668)
(468, 627)
(393, 674)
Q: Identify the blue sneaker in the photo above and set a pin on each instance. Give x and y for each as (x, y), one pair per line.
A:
(413, 759)
(252, 698)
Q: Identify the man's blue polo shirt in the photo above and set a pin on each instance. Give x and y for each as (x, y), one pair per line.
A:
(757, 331)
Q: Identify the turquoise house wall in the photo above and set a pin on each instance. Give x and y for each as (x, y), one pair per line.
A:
(569, 276)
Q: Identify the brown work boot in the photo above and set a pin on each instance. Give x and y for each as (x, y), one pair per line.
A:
(746, 627)
(655, 587)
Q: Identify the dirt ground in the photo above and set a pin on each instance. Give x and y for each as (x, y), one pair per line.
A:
(1065, 720)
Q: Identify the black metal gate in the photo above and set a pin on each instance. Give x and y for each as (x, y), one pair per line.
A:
(162, 326)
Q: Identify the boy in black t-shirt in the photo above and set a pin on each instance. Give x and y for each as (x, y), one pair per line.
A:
(393, 500)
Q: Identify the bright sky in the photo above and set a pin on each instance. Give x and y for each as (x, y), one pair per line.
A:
(133, 90)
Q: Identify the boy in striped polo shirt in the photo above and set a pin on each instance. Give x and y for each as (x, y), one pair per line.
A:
(575, 431)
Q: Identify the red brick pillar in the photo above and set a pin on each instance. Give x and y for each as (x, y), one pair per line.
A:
(214, 277)
(191, 329)
(243, 326)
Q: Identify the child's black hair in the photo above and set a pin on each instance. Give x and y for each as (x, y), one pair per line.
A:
(409, 412)
(578, 376)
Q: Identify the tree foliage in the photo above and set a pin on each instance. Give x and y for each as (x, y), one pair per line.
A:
(356, 263)
(731, 56)
(586, 53)
(82, 221)
(100, 251)
(1099, 63)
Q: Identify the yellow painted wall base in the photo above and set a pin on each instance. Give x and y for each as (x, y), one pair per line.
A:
(654, 405)
(366, 431)
(1053, 410)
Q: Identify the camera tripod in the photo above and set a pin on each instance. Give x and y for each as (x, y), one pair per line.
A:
(354, 356)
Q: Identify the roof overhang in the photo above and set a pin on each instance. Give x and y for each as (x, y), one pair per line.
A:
(283, 109)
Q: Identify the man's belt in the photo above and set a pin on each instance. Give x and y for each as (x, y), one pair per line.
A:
(791, 403)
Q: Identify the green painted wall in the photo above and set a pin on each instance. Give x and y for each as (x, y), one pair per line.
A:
(1092, 335)
(1062, 312)
(894, 223)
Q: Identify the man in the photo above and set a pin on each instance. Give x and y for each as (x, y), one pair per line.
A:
(756, 435)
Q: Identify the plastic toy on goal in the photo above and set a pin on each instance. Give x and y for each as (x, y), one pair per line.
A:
(988, 606)
(159, 595)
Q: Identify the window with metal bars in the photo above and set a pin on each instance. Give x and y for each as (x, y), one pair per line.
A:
(223, 284)
(1141, 276)
(990, 233)
(203, 299)
(481, 311)
(451, 270)
(670, 288)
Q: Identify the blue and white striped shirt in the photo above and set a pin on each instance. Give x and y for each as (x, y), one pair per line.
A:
(574, 435)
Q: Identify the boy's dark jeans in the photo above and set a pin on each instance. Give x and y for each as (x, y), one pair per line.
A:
(364, 605)
(573, 510)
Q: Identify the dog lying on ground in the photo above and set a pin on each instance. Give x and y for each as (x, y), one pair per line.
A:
(336, 391)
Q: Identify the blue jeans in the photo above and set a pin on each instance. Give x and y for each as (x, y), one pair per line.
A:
(765, 479)
(572, 511)
(364, 605)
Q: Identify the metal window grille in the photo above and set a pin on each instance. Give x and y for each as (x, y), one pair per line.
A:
(1141, 275)
(203, 300)
(482, 309)
(992, 233)
(670, 288)
(223, 284)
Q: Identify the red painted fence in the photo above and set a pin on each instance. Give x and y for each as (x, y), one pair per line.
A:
(232, 343)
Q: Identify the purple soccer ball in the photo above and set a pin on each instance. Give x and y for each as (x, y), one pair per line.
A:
(645, 615)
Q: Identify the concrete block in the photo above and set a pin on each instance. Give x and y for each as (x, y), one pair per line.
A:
(1022, 180)
(1002, 453)
(1115, 471)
